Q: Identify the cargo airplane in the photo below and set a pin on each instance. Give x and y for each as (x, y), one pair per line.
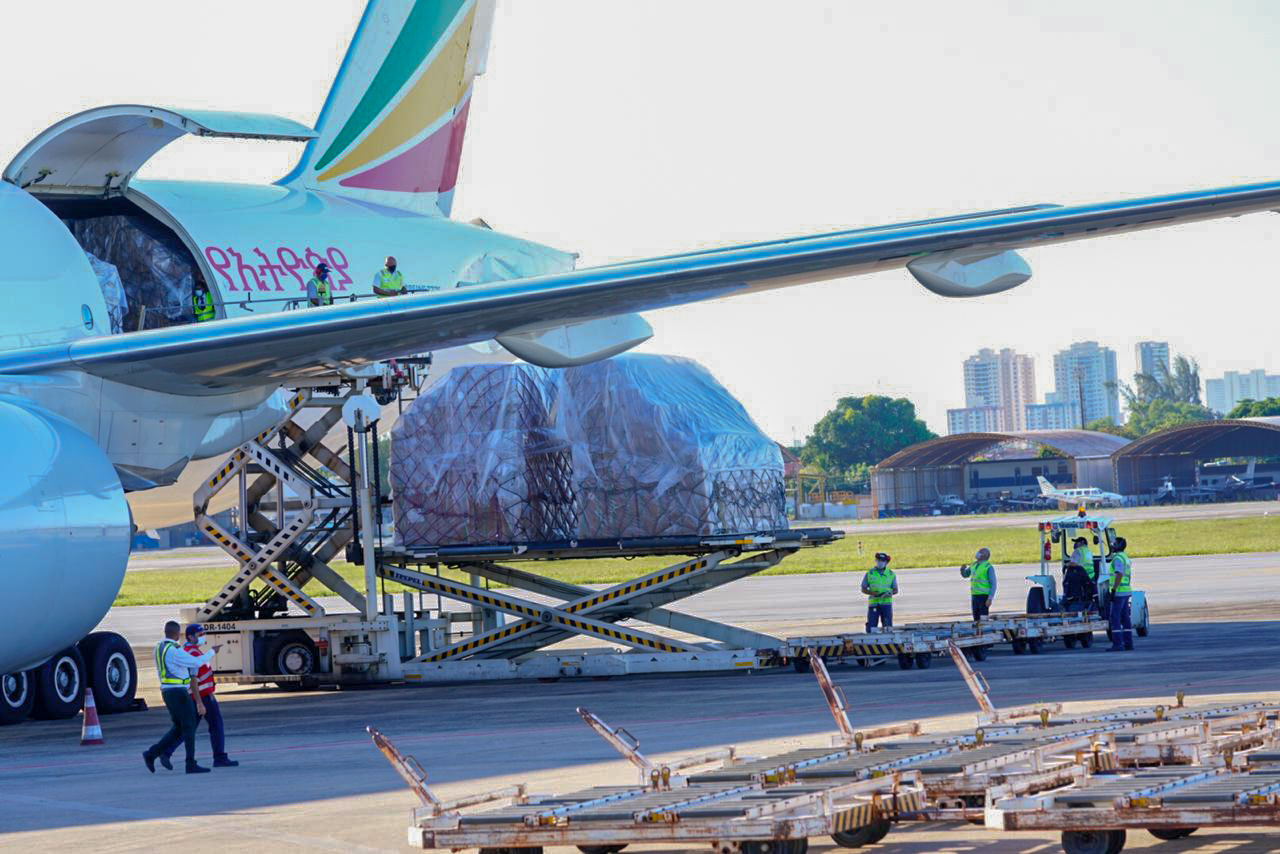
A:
(109, 390)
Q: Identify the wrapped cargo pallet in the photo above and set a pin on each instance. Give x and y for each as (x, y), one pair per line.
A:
(671, 452)
(635, 446)
(483, 458)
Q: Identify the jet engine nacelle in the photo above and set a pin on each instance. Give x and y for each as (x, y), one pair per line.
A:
(64, 534)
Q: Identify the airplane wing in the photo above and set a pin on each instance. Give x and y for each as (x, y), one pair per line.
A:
(956, 256)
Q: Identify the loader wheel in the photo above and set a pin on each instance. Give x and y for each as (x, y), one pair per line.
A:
(1170, 833)
(906, 661)
(1093, 841)
(1019, 646)
(979, 652)
(801, 665)
(1069, 641)
(1086, 640)
(1035, 645)
(924, 660)
(867, 835)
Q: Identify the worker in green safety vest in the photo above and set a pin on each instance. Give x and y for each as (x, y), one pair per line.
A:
(389, 282)
(1121, 592)
(881, 585)
(176, 667)
(982, 582)
(319, 288)
(202, 302)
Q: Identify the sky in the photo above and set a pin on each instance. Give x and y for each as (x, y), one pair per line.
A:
(620, 130)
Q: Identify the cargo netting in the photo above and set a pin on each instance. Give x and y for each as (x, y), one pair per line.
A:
(157, 273)
(635, 446)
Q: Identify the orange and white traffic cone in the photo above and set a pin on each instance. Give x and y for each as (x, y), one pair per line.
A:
(92, 731)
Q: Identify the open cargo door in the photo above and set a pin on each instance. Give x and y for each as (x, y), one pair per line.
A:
(98, 151)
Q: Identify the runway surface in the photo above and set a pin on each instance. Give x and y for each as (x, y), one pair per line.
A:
(311, 781)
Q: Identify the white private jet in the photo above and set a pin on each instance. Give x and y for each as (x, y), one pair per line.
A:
(1083, 495)
(101, 401)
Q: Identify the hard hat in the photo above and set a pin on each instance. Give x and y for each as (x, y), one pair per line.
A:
(322, 267)
(882, 556)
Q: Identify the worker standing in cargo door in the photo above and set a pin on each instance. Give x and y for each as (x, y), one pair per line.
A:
(176, 667)
(982, 583)
(1121, 590)
(389, 282)
(881, 585)
(202, 302)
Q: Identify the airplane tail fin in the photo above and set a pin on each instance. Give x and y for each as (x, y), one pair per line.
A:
(391, 128)
(1046, 487)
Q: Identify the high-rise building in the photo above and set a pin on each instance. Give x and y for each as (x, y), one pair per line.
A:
(1005, 380)
(1085, 374)
(1062, 415)
(1148, 354)
(1222, 394)
(974, 419)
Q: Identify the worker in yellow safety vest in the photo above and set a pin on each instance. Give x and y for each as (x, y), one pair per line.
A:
(389, 282)
(982, 582)
(176, 667)
(202, 302)
(319, 288)
(1121, 591)
(881, 585)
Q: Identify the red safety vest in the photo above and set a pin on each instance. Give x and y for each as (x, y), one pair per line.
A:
(204, 679)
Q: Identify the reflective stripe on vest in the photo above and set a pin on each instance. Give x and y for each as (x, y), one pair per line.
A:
(162, 649)
(880, 583)
(980, 578)
(1121, 573)
(322, 290)
(390, 281)
(202, 305)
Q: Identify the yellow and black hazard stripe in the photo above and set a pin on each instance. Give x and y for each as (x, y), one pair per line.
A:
(828, 650)
(289, 590)
(227, 467)
(227, 543)
(862, 815)
(617, 634)
(1103, 760)
(1010, 634)
(875, 649)
(639, 584)
(504, 633)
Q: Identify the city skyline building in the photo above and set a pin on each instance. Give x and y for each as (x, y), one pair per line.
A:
(1148, 354)
(1005, 380)
(1053, 415)
(974, 419)
(1085, 373)
(1221, 394)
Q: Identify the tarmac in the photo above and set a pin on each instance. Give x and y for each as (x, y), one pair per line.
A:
(310, 780)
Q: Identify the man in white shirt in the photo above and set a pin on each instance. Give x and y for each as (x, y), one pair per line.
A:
(177, 668)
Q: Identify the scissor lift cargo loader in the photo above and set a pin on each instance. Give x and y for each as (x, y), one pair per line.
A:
(301, 505)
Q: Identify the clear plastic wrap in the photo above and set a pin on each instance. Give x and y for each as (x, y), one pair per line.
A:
(671, 452)
(157, 273)
(483, 458)
(636, 446)
(112, 291)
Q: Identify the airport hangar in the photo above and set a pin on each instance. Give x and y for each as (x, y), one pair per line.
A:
(988, 466)
(1143, 465)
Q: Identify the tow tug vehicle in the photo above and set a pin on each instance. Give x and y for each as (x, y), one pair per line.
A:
(1078, 592)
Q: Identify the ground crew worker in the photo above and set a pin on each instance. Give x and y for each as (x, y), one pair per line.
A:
(1121, 578)
(389, 282)
(1082, 557)
(881, 585)
(982, 582)
(202, 302)
(206, 704)
(319, 288)
(175, 667)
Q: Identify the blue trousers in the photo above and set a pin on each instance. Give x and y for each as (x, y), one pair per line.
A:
(1121, 625)
(882, 614)
(979, 605)
(217, 735)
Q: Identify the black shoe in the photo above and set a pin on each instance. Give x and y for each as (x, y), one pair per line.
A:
(198, 769)
(166, 762)
(224, 762)
(150, 761)
(1115, 649)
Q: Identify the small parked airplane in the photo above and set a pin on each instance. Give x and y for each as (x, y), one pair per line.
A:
(1084, 495)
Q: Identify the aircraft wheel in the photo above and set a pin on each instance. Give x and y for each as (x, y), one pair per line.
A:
(1144, 624)
(111, 671)
(17, 694)
(60, 684)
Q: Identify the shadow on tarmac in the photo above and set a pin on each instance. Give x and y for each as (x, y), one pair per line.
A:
(297, 748)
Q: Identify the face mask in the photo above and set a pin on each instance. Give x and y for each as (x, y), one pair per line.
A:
(978, 556)
(199, 641)
(881, 564)
(391, 268)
